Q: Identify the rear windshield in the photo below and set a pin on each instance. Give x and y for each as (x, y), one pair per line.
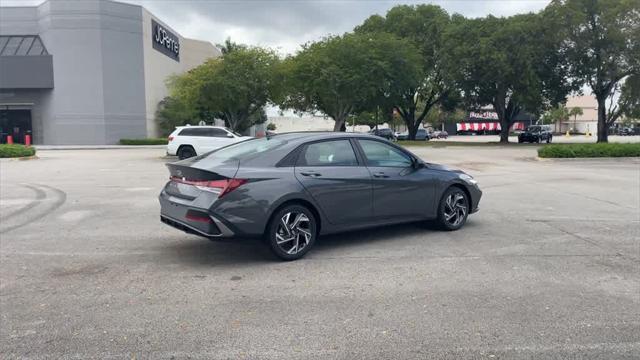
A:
(245, 148)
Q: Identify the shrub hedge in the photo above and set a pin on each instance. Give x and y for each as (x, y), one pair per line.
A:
(16, 150)
(149, 141)
(589, 150)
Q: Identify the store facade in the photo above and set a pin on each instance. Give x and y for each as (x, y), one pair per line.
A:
(87, 72)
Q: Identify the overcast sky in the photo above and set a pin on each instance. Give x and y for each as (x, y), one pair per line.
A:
(285, 24)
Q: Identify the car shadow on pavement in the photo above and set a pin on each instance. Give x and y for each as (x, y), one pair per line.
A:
(389, 233)
(196, 251)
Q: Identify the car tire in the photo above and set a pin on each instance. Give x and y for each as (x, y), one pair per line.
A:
(453, 209)
(186, 152)
(288, 227)
(520, 141)
(549, 140)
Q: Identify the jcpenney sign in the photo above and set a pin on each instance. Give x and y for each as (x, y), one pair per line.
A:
(165, 41)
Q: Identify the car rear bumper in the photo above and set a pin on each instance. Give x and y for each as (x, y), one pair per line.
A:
(172, 149)
(217, 229)
(191, 219)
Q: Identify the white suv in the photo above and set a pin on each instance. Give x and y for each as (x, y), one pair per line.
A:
(188, 141)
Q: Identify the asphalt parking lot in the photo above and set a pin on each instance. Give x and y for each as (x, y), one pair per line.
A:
(549, 268)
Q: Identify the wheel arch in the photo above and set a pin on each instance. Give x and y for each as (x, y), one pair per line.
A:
(461, 187)
(297, 201)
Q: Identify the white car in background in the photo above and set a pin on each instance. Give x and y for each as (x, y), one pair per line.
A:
(189, 141)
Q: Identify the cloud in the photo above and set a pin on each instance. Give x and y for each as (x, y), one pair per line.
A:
(286, 24)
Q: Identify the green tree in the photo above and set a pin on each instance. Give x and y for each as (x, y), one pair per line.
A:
(339, 76)
(230, 46)
(414, 94)
(602, 46)
(555, 115)
(174, 112)
(508, 63)
(234, 88)
(629, 102)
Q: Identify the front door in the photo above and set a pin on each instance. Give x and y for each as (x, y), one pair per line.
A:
(15, 123)
(340, 185)
(399, 189)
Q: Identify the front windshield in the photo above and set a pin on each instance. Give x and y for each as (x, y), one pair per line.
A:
(534, 129)
(245, 148)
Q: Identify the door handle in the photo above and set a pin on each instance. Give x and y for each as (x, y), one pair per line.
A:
(310, 173)
(380, 175)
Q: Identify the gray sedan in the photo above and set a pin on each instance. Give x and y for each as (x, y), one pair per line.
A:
(292, 188)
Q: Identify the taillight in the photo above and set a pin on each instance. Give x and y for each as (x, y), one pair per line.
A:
(220, 187)
(170, 138)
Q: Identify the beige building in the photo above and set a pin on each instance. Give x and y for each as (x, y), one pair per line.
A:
(588, 121)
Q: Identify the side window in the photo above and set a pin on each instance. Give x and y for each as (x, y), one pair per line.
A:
(381, 154)
(186, 132)
(213, 132)
(194, 132)
(328, 153)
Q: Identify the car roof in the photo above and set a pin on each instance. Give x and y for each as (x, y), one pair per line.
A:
(199, 127)
(304, 136)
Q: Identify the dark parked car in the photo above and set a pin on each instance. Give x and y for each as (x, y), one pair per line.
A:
(421, 134)
(626, 131)
(439, 134)
(536, 134)
(385, 133)
(292, 188)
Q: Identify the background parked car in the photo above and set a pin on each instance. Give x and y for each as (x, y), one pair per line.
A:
(384, 133)
(439, 134)
(189, 141)
(536, 134)
(626, 131)
(420, 135)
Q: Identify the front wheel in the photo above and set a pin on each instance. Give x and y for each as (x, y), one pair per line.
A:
(453, 209)
(292, 232)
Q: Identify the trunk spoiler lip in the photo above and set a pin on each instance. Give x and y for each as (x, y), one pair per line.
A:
(191, 172)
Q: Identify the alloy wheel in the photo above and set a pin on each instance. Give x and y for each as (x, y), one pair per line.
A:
(455, 209)
(293, 233)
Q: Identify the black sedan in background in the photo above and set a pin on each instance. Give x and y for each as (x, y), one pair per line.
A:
(384, 133)
(292, 188)
(536, 134)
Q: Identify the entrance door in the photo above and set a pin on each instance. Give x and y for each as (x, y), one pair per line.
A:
(16, 123)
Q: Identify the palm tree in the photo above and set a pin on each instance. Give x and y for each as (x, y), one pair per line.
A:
(575, 112)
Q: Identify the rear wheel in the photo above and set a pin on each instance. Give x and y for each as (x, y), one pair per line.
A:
(292, 232)
(186, 152)
(453, 209)
(549, 140)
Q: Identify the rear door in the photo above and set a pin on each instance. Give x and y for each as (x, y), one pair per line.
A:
(399, 189)
(214, 138)
(330, 171)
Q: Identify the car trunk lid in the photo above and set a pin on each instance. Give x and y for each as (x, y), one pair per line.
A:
(189, 178)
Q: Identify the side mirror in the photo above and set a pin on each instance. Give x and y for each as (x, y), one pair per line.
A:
(230, 135)
(415, 163)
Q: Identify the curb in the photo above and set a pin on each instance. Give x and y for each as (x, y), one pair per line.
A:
(589, 159)
(97, 147)
(21, 158)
